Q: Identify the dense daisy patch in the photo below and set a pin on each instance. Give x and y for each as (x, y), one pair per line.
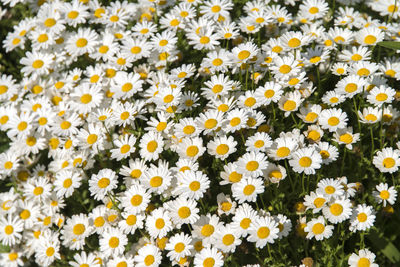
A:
(200, 133)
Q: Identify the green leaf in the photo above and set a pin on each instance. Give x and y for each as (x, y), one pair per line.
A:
(4, 248)
(390, 44)
(386, 247)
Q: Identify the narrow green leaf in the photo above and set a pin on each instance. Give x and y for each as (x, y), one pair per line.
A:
(386, 247)
(390, 44)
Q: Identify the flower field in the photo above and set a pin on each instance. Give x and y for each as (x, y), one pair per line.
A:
(199, 133)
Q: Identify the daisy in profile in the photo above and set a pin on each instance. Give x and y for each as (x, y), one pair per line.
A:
(351, 85)
(333, 119)
(369, 36)
(275, 173)
(158, 223)
(364, 258)
(318, 229)
(333, 98)
(385, 194)
(381, 95)
(243, 53)
(363, 218)
(263, 230)
(387, 160)
(306, 160)
(347, 137)
(225, 204)
(179, 246)
(337, 210)
(191, 184)
(112, 242)
(370, 115)
(331, 188)
(208, 256)
(102, 183)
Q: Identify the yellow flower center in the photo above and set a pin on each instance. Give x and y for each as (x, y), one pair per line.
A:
(156, 181)
(388, 163)
(318, 228)
(103, 182)
(228, 239)
(81, 42)
(263, 232)
(305, 162)
(336, 209)
(249, 189)
(78, 229)
(113, 242)
(152, 146)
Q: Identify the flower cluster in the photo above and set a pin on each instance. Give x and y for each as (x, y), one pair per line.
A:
(182, 132)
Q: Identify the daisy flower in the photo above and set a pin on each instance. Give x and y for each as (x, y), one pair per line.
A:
(158, 223)
(112, 242)
(222, 147)
(66, 182)
(10, 230)
(315, 201)
(81, 42)
(318, 229)
(36, 64)
(148, 256)
(124, 147)
(263, 230)
(387, 160)
(157, 178)
(247, 189)
(135, 199)
(306, 160)
(381, 95)
(385, 194)
(227, 239)
(333, 119)
(182, 211)
(363, 218)
(208, 256)
(179, 246)
(102, 183)
(331, 188)
(252, 163)
(337, 210)
(191, 184)
(151, 145)
(364, 258)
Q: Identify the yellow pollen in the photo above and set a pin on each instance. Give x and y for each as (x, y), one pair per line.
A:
(103, 182)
